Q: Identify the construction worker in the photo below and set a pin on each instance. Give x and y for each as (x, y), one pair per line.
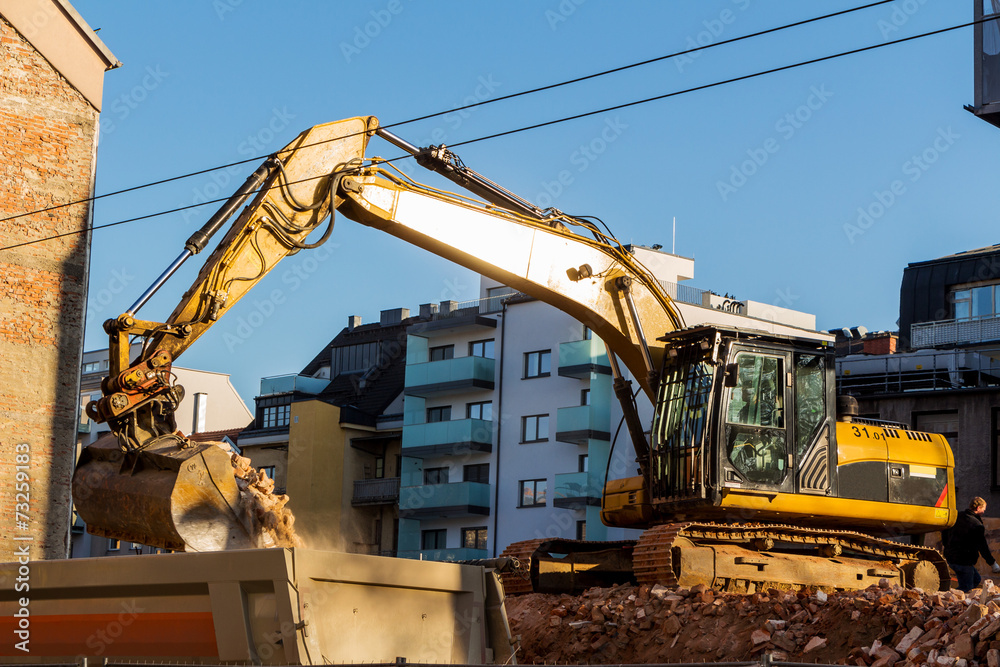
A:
(965, 542)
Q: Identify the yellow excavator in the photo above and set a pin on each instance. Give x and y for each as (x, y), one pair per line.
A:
(753, 474)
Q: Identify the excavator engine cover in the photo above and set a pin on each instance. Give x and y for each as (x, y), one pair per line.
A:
(173, 494)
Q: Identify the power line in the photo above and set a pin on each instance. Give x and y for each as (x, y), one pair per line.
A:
(570, 118)
(494, 100)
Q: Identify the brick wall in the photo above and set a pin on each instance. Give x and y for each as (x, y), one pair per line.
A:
(47, 146)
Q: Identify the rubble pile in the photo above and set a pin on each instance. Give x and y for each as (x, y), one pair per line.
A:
(269, 522)
(882, 626)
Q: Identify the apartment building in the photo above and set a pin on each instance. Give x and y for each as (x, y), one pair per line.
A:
(941, 371)
(497, 421)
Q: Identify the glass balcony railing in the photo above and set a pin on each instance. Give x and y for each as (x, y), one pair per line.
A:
(579, 358)
(582, 422)
(475, 434)
(576, 490)
(444, 500)
(450, 374)
(284, 384)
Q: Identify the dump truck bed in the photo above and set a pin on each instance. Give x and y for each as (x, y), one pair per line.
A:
(265, 606)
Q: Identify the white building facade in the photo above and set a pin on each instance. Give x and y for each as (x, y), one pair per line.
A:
(511, 426)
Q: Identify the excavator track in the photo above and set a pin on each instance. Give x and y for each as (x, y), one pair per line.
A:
(518, 582)
(754, 557)
(731, 558)
(558, 565)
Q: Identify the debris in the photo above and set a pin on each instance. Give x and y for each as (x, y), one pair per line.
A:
(881, 626)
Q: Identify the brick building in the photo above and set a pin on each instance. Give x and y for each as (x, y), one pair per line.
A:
(51, 76)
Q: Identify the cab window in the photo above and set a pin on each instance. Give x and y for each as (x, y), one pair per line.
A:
(755, 431)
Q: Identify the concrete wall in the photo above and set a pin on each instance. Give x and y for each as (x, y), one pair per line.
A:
(47, 148)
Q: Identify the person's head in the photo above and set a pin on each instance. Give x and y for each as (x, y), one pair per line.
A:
(977, 505)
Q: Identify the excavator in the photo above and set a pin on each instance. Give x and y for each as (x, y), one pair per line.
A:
(752, 475)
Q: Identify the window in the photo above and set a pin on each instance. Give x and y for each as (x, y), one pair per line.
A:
(476, 472)
(971, 303)
(482, 411)
(481, 348)
(379, 467)
(587, 333)
(441, 413)
(810, 398)
(436, 475)
(584, 397)
(114, 545)
(92, 367)
(277, 416)
(534, 428)
(755, 434)
(583, 463)
(474, 538)
(581, 530)
(536, 364)
(441, 353)
(433, 539)
(354, 358)
(532, 493)
(269, 471)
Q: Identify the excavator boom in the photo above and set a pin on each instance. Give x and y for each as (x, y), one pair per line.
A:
(150, 484)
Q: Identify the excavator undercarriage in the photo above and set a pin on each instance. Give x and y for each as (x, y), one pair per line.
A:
(736, 559)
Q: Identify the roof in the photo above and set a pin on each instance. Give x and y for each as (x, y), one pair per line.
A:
(369, 393)
(959, 256)
(70, 46)
(217, 436)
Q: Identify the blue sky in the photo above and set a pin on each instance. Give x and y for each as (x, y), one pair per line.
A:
(810, 188)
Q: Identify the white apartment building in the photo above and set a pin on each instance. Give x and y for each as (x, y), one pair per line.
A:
(510, 422)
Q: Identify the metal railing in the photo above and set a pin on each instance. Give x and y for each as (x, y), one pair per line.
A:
(494, 304)
(916, 371)
(375, 491)
(954, 332)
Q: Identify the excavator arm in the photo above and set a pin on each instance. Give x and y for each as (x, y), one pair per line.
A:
(562, 260)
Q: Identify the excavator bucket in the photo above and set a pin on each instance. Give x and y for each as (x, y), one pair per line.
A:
(173, 494)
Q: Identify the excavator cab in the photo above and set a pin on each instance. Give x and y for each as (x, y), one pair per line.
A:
(740, 412)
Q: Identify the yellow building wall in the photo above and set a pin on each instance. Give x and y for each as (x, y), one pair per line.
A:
(315, 473)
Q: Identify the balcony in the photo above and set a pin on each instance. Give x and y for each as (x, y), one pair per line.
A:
(449, 437)
(579, 358)
(286, 384)
(445, 554)
(383, 491)
(955, 332)
(450, 376)
(441, 501)
(576, 490)
(577, 424)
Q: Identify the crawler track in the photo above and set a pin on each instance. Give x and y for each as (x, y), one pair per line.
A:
(744, 559)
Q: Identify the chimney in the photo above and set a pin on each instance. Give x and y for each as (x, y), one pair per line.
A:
(200, 412)
(448, 307)
(353, 321)
(428, 310)
(881, 343)
(393, 316)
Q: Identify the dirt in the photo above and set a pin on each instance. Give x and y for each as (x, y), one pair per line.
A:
(882, 626)
(264, 513)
